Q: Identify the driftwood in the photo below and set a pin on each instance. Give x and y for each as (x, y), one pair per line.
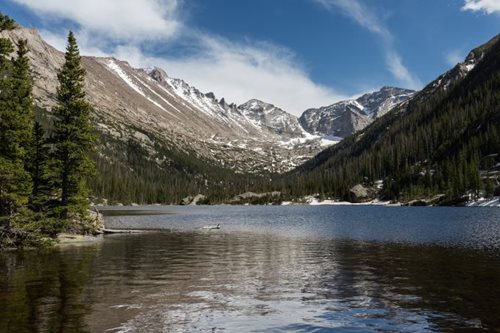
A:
(124, 231)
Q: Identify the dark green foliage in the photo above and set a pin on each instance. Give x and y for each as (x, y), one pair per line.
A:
(19, 226)
(15, 126)
(73, 135)
(39, 168)
(6, 23)
(129, 173)
(32, 168)
(444, 142)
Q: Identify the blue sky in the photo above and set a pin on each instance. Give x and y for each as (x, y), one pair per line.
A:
(293, 53)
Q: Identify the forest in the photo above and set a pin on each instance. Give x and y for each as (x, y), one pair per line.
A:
(442, 143)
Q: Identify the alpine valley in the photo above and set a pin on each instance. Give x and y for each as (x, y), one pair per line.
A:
(161, 139)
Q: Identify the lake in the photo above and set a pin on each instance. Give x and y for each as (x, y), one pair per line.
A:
(268, 269)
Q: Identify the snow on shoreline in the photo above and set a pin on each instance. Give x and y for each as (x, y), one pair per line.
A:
(485, 202)
(314, 201)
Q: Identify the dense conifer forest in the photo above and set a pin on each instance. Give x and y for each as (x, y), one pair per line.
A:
(443, 142)
(129, 173)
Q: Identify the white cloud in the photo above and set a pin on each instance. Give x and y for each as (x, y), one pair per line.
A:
(358, 12)
(487, 6)
(236, 71)
(242, 71)
(367, 19)
(400, 72)
(454, 57)
(85, 43)
(124, 20)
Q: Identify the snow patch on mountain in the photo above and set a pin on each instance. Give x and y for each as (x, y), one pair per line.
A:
(121, 73)
(347, 117)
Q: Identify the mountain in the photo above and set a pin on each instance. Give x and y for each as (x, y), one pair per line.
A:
(224, 133)
(442, 143)
(269, 117)
(162, 134)
(347, 117)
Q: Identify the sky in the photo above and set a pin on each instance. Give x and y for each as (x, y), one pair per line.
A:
(295, 54)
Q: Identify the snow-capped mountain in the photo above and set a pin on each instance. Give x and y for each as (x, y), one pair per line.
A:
(347, 117)
(139, 104)
(378, 103)
(340, 119)
(272, 118)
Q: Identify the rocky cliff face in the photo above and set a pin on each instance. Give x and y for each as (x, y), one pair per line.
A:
(347, 117)
(271, 118)
(378, 103)
(137, 104)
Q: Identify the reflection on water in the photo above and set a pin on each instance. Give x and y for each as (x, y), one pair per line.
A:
(195, 281)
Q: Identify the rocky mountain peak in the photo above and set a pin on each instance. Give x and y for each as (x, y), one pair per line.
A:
(256, 105)
(380, 102)
(158, 74)
(346, 117)
(210, 95)
(477, 54)
(274, 119)
(223, 102)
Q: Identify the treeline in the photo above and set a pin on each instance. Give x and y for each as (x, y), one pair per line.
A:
(43, 178)
(129, 172)
(444, 142)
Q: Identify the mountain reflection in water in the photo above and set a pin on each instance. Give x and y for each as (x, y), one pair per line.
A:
(195, 281)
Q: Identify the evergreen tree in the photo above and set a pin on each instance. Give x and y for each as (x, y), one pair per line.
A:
(6, 23)
(38, 166)
(22, 102)
(15, 124)
(73, 135)
(6, 167)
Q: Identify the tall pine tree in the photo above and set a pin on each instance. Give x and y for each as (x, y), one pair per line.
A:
(38, 166)
(16, 120)
(73, 135)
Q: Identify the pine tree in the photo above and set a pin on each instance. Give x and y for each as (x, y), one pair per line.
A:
(73, 135)
(6, 48)
(6, 23)
(22, 101)
(15, 124)
(38, 166)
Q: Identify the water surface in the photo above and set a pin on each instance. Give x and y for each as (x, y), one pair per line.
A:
(269, 269)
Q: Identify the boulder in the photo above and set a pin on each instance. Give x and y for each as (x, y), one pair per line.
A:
(186, 201)
(199, 199)
(359, 193)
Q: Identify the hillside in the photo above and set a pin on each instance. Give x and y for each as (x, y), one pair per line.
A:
(443, 142)
(161, 138)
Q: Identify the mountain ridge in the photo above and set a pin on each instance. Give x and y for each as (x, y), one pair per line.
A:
(440, 146)
(189, 119)
(345, 118)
